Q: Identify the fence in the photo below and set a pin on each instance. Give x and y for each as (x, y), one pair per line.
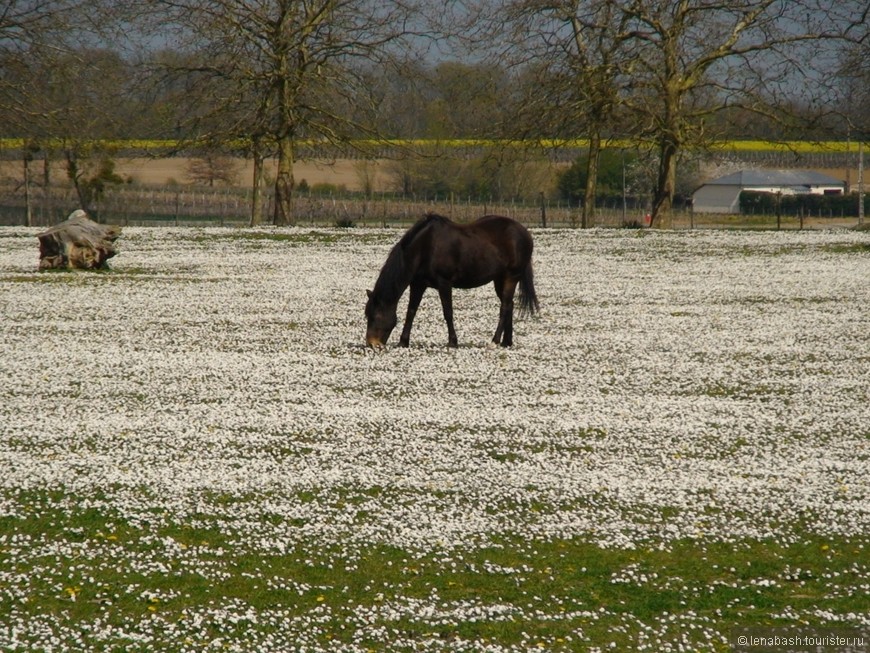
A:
(142, 206)
(208, 206)
(130, 206)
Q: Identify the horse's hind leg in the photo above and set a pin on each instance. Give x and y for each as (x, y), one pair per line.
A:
(504, 332)
(414, 297)
(446, 294)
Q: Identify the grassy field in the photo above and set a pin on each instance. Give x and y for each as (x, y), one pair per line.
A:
(199, 454)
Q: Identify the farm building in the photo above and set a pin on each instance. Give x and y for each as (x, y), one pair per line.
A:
(722, 195)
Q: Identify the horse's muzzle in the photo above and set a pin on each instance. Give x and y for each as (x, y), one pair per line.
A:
(375, 343)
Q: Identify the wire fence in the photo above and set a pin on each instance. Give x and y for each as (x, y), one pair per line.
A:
(186, 206)
(142, 206)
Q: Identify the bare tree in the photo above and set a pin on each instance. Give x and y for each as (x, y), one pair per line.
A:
(23, 25)
(468, 100)
(61, 90)
(852, 97)
(696, 59)
(572, 54)
(665, 69)
(402, 99)
(853, 108)
(76, 100)
(276, 72)
(210, 169)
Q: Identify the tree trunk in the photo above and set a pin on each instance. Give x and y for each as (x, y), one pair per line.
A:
(592, 162)
(257, 196)
(28, 204)
(46, 188)
(284, 184)
(78, 242)
(663, 197)
(72, 172)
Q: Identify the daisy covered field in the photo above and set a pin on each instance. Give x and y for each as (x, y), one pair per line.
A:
(199, 454)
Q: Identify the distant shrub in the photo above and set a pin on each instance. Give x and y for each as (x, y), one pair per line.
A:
(212, 169)
(328, 189)
(572, 181)
(763, 203)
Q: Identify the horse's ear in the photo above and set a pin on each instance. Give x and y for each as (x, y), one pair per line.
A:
(369, 294)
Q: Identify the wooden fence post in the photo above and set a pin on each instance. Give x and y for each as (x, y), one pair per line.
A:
(543, 211)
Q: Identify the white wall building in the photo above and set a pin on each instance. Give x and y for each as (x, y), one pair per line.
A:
(722, 195)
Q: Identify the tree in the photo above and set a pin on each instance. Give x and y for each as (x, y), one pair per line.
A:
(469, 100)
(31, 35)
(276, 72)
(853, 104)
(90, 178)
(696, 59)
(573, 182)
(211, 168)
(69, 102)
(24, 26)
(402, 99)
(662, 71)
(852, 99)
(77, 102)
(62, 90)
(571, 54)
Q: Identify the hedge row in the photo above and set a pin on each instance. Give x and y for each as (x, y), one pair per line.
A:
(756, 203)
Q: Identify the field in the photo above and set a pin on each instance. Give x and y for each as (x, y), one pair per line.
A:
(161, 172)
(198, 454)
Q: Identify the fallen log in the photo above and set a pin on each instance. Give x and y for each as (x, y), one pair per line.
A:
(77, 242)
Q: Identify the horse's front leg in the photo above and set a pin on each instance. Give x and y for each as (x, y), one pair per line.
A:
(446, 294)
(414, 297)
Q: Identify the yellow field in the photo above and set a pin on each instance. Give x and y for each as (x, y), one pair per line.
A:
(736, 145)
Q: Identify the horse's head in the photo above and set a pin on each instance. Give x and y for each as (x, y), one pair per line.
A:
(381, 320)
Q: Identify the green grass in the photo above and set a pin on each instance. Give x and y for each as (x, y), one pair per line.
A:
(82, 277)
(86, 565)
(847, 248)
(312, 237)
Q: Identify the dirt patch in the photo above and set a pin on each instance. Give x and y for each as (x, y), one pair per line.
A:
(349, 173)
(343, 172)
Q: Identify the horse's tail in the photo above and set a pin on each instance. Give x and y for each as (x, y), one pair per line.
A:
(528, 299)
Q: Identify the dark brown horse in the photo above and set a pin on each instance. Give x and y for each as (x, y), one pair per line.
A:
(437, 253)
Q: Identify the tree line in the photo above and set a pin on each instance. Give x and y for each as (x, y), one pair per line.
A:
(257, 79)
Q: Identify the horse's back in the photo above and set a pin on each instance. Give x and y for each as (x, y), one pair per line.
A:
(508, 236)
(500, 227)
(472, 254)
(498, 223)
(489, 225)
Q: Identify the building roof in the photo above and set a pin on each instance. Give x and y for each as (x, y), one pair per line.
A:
(766, 178)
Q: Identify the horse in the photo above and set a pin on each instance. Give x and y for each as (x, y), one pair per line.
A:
(439, 253)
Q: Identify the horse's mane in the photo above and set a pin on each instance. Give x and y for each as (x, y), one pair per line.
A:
(421, 224)
(392, 280)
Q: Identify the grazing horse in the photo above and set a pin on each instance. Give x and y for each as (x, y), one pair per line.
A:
(441, 254)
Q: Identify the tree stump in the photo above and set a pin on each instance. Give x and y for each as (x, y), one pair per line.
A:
(77, 242)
